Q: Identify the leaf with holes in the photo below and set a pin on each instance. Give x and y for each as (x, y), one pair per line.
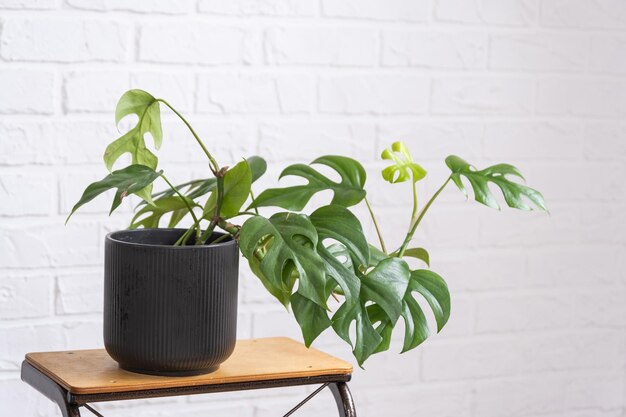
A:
(497, 174)
(281, 248)
(128, 181)
(403, 168)
(348, 192)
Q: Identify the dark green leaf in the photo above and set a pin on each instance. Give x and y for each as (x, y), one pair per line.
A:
(312, 318)
(497, 174)
(435, 290)
(403, 168)
(258, 166)
(348, 192)
(276, 246)
(129, 180)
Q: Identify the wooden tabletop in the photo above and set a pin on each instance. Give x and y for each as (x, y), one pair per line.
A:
(94, 372)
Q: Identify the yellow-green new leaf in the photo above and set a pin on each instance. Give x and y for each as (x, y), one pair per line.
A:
(403, 168)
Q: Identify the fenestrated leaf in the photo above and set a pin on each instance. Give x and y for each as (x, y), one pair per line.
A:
(403, 168)
(275, 246)
(146, 107)
(128, 181)
(237, 183)
(385, 286)
(434, 289)
(312, 318)
(348, 192)
(150, 215)
(338, 223)
(497, 174)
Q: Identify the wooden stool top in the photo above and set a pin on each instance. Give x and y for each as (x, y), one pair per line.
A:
(94, 372)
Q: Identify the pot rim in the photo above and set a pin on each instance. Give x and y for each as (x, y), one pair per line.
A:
(111, 237)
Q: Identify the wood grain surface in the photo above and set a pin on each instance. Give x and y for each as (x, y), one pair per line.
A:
(94, 372)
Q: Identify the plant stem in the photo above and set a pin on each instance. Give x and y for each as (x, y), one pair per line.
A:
(195, 218)
(256, 210)
(213, 162)
(181, 240)
(417, 221)
(380, 236)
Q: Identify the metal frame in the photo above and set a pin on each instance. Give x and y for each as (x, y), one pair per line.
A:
(69, 402)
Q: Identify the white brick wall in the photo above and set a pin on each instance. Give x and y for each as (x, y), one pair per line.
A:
(539, 302)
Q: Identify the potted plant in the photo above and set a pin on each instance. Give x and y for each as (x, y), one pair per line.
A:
(171, 294)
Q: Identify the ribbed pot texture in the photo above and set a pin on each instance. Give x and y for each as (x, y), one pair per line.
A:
(169, 310)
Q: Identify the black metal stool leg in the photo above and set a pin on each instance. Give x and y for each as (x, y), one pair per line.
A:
(50, 389)
(342, 395)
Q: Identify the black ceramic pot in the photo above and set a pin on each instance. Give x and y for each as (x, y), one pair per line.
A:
(169, 310)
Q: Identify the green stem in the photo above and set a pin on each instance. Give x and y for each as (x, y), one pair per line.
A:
(380, 236)
(417, 221)
(214, 165)
(181, 240)
(195, 219)
(414, 212)
(256, 210)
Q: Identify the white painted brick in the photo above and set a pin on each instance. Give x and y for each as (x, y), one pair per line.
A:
(479, 357)
(190, 43)
(159, 6)
(571, 267)
(259, 8)
(27, 194)
(263, 93)
(20, 399)
(24, 143)
(79, 293)
(50, 244)
(520, 397)
(447, 50)
(15, 341)
(605, 141)
(497, 12)
(576, 350)
(23, 296)
(93, 91)
(595, 391)
(605, 307)
(606, 54)
(609, 14)
(435, 400)
(289, 141)
(581, 97)
(535, 140)
(520, 312)
(177, 88)
(26, 91)
(28, 4)
(275, 322)
(539, 52)
(481, 95)
(322, 46)
(64, 40)
(412, 11)
(373, 94)
(78, 142)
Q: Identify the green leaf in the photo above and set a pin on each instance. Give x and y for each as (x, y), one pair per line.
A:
(312, 318)
(384, 286)
(418, 253)
(348, 192)
(146, 107)
(128, 181)
(403, 168)
(158, 209)
(338, 223)
(237, 183)
(435, 290)
(258, 166)
(497, 174)
(277, 246)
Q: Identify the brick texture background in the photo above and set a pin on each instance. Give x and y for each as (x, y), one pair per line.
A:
(539, 302)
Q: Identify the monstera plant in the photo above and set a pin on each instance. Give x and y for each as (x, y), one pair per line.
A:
(304, 257)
